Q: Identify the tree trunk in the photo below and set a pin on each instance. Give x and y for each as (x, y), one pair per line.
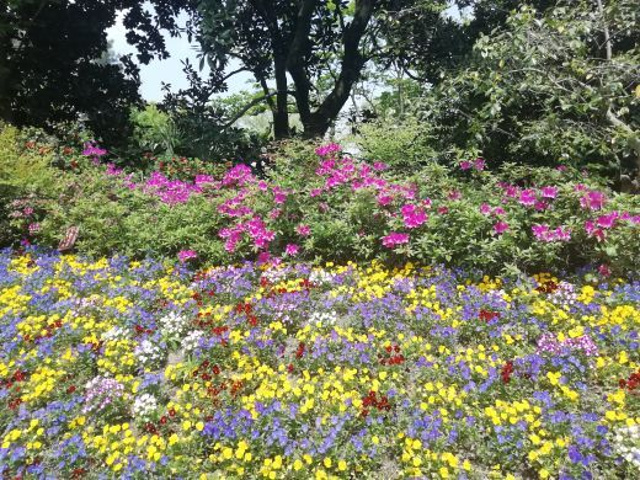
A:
(5, 79)
(317, 123)
(281, 116)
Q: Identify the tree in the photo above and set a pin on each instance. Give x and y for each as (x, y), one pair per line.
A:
(432, 37)
(562, 85)
(53, 66)
(300, 41)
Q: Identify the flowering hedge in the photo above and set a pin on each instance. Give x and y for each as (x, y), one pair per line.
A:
(332, 207)
(130, 369)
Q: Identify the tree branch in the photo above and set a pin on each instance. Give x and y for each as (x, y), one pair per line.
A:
(246, 108)
(250, 105)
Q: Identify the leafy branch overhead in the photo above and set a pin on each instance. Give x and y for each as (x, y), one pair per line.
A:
(295, 43)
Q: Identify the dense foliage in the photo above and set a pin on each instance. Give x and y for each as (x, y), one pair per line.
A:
(555, 87)
(55, 65)
(135, 369)
(323, 205)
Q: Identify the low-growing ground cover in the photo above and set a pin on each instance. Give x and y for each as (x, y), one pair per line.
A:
(118, 368)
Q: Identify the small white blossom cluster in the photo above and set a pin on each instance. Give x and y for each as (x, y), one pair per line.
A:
(320, 277)
(172, 324)
(324, 318)
(275, 275)
(564, 295)
(148, 354)
(192, 340)
(144, 406)
(626, 443)
(115, 333)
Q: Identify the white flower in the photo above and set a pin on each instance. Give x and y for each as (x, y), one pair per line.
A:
(626, 443)
(148, 354)
(144, 406)
(323, 318)
(319, 276)
(192, 340)
(115, 333)
(172, 324)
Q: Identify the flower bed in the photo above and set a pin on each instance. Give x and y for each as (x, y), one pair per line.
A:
(331, 207)
(120, 368)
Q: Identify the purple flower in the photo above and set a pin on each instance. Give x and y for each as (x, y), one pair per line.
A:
(185, 255)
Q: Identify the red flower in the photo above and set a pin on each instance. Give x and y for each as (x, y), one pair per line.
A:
(507, 371)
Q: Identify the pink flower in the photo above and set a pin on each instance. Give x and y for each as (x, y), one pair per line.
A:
(561, 168)
(92, 150)
(479, 164)
(315, 192)
(607, 221)
(455, 195)
(329, 149)
(275, 213)
(541, 232)
(292, 249)
(485, 209)
(511, 191)
(593, 200)
(541, 205)
(443, 210)
(466, 165)
(413, 217)
(498, 211)
(592, 231)
(500, 227)
(185, 255)
(303, 230)
(394, 239)
(562, 234)
(384, 200)
(528, 198)
(263, 257)
(549, 192)
(544, 234)
(379, 166)
(240, 174)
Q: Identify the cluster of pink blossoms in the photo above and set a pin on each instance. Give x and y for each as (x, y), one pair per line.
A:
(548, 343)
(413, 216)
(174, 192)
(592, 199)
(545, 234)
(607, 222)
(394, 239)
(478, 164)
(255, 228)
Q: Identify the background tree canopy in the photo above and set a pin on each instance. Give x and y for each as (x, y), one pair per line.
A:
(52, 64)
(536, 82)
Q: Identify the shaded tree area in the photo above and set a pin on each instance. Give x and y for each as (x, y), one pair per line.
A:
(53, 66)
